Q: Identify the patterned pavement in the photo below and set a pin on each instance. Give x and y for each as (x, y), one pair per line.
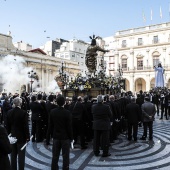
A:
(126, 155)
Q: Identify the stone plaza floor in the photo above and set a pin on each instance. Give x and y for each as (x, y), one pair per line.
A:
(126, 155)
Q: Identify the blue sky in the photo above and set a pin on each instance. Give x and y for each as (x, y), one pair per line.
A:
(32, 21)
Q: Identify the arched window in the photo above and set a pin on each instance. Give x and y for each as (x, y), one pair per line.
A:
(139, 61)
(155, 56)
(124, 62)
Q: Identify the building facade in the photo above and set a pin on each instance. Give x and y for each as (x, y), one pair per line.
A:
(51, 46)
(46, 67)
(137, 51)
(22, 46)
(74, 50)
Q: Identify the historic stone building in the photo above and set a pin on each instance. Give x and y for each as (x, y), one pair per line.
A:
(74, 50)
(46, 67)
(137, 51)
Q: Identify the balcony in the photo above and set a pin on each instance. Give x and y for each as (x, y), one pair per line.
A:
(124, 46)
(140, 43)
(155, 41)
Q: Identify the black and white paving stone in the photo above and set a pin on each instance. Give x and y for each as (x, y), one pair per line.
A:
(126, 155)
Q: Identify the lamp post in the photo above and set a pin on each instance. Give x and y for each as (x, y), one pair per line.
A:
(32, 75)
(63, 75)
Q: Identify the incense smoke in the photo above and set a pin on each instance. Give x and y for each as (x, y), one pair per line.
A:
(14, 74)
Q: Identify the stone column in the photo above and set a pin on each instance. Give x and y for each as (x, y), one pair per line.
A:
(164, 57)
(147, 58)
(148, 82)
(132, 83)
(116, 60)
(131, 59)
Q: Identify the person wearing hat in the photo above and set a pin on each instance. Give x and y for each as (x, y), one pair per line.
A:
(148, 113)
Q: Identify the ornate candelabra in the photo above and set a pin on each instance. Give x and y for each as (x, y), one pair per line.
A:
(32, 75)
(63, 76)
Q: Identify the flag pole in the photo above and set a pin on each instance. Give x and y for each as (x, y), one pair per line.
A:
(144, 18)
(151, 16)
(160, 15)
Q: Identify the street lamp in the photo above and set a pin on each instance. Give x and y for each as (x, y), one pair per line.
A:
(63, 75)
(32, 75)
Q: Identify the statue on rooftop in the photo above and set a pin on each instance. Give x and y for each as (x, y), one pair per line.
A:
(91, 55)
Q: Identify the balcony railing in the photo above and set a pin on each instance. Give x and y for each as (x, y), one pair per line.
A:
(140, 43)
(145, 68)
(155, 41)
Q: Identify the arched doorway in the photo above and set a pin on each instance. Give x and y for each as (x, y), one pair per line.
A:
(152, 84)
(168, 84)
(140, 84)
(127, 85)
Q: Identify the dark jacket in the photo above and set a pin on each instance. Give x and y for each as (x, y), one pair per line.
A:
(148, 111)
(77, 109)
(5, 149)
(37, 110)
(60, 123)
(49, 106)
(133, 113)
(17, 124)
(101, 116)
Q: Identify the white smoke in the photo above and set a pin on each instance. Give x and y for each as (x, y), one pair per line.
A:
(13, 73)
(53, 87)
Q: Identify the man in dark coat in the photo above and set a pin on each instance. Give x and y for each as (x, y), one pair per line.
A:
(133, 115)
(148, 113)
(17, 126)
(50, 106)
(5, 149)
(60, 123)
(36, 118)
(78, 114)
(6, 107)
(101, 126)
(88, 119)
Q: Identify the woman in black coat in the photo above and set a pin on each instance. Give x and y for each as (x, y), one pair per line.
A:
(5, 149)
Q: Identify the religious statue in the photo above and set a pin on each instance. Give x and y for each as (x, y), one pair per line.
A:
(91, 55)
(159, 75)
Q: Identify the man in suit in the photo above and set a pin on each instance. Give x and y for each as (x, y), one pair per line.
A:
(133, 116)
(60, 123)
(5, 149)
(36, 118)
(17, 125)
(148, 113)
(101, 126)
(50, 106)
(79, 117)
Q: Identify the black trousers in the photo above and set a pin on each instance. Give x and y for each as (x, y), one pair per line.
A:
(133, 126)
(37, 130)
(59, 145)
(164, 108)
(19, 155)
(157, 108)
(103, 136)
(78, 130)
(150, 126)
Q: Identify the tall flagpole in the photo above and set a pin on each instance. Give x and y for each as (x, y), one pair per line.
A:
(160, 14)
(144, 18)
(169, 11)
(151, 16)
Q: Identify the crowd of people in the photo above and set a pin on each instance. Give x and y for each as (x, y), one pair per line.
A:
(60, 121)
